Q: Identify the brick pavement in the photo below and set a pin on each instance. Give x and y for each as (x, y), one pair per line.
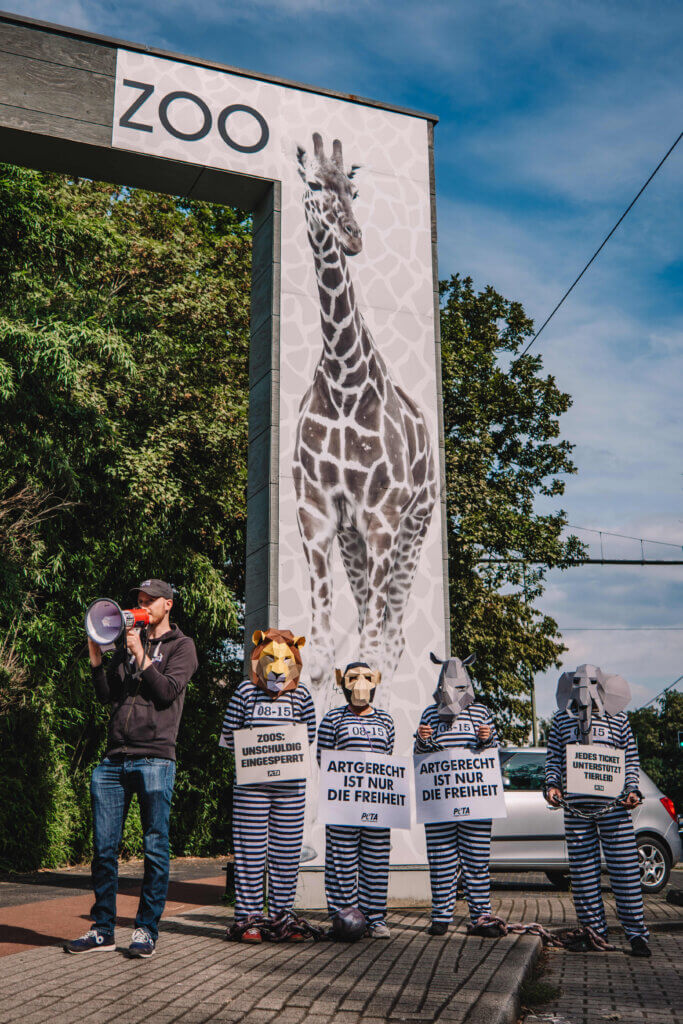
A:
(196, 977)
(611, 987)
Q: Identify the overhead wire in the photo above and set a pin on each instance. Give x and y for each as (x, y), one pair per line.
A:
(602, 245)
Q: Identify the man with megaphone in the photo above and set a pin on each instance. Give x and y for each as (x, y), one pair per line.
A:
(145, 683)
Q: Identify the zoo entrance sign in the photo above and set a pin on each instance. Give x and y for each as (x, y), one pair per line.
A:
(345, 538)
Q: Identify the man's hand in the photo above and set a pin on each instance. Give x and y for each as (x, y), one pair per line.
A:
(484, 733)
(135, 647)
(553, 796)
(94, 653)
(424, 731)
(632, 800)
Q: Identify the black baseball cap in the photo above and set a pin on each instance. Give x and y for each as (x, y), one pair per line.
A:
(155, 588)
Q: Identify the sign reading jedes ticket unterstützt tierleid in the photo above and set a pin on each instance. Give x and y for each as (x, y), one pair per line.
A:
(595, 770)
(274, 753)
(358, 787)
(458, 785)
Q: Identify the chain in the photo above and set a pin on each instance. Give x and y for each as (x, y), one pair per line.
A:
(592, 815)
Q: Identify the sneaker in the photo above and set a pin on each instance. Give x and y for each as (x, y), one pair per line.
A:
(252, 935)
(92, 942)
(379, 931)
(142, 943)
(438, 928)
(640, 947)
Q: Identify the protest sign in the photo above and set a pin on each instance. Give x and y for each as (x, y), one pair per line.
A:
(272, 753)
(594, 770)
(458, 785)
(359, 787)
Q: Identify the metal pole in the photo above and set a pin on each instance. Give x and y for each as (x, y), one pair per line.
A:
(531, 681)
(534, 720)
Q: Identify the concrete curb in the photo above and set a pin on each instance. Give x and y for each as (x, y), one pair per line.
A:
(500, 1001)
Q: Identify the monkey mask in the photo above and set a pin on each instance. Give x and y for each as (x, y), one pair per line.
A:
(359, 682)
(454, 690)
(589, 691)
(276, 661)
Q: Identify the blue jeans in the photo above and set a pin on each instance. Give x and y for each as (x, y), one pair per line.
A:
(112, 786)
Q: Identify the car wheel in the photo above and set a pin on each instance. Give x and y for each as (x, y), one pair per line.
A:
(654, 863)
(559, 879)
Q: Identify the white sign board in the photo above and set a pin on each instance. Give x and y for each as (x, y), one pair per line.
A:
(359, 787)
(271, 754)
(458, 785)
(595, 770)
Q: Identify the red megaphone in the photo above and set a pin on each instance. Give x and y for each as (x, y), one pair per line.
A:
(105, 622)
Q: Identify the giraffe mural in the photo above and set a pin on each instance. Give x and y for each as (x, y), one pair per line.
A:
(363, 465)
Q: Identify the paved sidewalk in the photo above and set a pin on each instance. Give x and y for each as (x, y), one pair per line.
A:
(196, 977)
(610, 987)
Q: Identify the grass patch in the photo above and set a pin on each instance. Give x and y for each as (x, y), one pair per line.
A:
(536, 992)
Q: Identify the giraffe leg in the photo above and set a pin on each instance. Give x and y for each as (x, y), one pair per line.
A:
(354, 557)
(317, 533)
(408, 549)
(381, 538)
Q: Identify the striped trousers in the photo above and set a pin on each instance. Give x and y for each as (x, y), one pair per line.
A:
(357, 869)
(465, 845)
(615, 832)
(267, 829)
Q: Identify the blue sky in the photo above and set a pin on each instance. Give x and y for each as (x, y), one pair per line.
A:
(551, 117)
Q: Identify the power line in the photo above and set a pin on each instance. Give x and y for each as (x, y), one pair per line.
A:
(602, 245)
(624, 536)
(621, 629)
(661, 693)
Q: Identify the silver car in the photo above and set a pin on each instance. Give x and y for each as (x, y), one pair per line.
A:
(531, 838)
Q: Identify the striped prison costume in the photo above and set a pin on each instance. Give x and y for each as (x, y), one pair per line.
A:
(357, 859)
(614, 830)
(268, 817)
(463, 844)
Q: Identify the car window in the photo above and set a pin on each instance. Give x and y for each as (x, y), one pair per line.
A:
(524, 771)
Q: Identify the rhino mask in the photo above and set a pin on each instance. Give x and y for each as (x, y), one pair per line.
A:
(589, 691)
(454, 690)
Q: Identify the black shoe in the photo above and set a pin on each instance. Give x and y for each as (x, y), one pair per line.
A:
(487, 931)
(438, 928)
(639, 947)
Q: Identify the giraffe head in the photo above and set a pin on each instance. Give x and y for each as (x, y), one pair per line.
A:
(332, 190)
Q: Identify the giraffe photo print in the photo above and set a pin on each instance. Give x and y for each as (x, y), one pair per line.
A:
(361, 552)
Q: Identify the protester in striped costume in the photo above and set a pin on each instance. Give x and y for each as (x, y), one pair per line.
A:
(357, 859)
(591, 711)
(456, 719)
(268, 818)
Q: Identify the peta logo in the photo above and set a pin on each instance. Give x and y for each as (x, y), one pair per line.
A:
(369, 816)
(187, 117)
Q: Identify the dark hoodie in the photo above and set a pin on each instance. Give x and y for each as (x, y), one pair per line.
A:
(146, 711)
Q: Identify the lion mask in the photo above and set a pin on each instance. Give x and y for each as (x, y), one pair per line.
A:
(276, 661)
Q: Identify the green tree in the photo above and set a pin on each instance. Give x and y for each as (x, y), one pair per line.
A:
(656, 730)
(501, 419)
(124, 337)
